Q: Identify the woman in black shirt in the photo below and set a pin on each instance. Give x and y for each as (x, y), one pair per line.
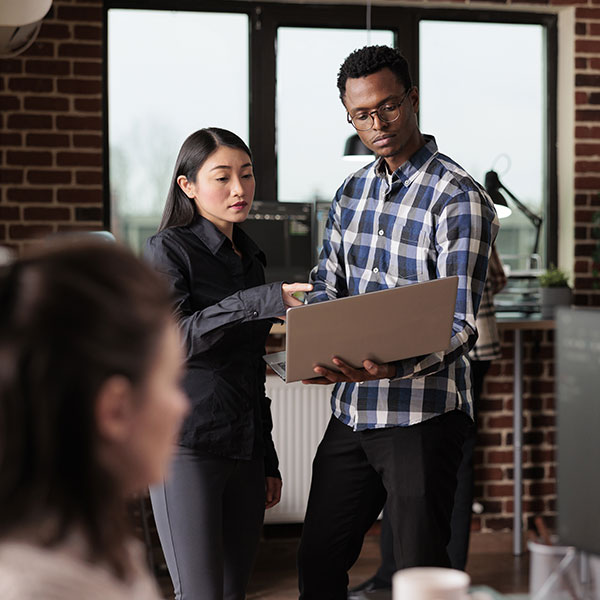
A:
(210, 510)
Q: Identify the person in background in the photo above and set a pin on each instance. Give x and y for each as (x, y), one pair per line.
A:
(90, 408)
(397, 429)
(486, 349)
(210, 509)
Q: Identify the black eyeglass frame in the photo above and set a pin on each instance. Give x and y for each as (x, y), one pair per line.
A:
(397, 105)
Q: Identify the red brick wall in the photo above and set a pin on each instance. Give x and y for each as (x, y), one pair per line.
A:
(494, 455)
(51, 180)
(51, 128)
(587, 149)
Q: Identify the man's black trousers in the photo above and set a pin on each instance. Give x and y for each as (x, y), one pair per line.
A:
(354, 472)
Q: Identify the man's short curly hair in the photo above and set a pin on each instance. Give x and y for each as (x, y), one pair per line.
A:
(369, 60)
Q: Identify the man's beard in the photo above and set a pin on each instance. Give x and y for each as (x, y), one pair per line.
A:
(388, 153)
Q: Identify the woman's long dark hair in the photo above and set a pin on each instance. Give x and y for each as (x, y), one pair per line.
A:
(71, 316)
(179, 209)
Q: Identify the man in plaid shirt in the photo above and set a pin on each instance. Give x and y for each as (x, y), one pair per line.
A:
(397, 429)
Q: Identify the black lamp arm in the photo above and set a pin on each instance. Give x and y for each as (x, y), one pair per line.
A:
(493, 185)
(537, 221)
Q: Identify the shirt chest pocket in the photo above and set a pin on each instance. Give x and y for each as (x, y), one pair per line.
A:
(412, 253)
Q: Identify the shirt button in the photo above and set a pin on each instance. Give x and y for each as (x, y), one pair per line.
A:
(381, 232)
(255, 313)
(375, 270)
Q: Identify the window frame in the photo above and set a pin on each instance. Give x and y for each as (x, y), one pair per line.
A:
(264, 20)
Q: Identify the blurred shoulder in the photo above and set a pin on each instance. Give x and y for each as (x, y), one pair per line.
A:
(31, 572)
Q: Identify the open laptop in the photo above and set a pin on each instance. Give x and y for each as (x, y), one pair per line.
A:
(381, 326)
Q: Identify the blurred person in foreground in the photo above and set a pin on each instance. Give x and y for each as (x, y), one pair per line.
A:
(90, 407)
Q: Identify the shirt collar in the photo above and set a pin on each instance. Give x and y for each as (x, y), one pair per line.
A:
(208, 233)
(214, 239)
(411, 167)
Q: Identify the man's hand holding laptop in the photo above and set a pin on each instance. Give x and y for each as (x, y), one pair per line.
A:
(370, 372)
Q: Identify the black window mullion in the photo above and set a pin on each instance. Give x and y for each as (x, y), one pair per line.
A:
(551, 205)
(403, 23)
(262, 103)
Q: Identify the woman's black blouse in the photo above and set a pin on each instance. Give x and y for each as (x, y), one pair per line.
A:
(225, 311)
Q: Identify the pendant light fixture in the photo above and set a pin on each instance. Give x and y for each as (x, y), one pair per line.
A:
(355, 150)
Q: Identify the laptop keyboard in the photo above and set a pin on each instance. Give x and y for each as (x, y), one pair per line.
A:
(277, 362)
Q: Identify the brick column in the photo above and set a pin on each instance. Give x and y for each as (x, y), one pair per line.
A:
(587, 150)
(51, 128)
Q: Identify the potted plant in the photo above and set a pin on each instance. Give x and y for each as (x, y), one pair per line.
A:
(554, 291)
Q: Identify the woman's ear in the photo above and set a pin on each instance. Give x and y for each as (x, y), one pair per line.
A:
(115, 409)
(186, 186)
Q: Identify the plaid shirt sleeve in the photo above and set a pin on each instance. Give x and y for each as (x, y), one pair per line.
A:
(329, 277)
(464, 236)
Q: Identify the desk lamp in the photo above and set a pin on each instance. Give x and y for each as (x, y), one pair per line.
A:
(493, 185)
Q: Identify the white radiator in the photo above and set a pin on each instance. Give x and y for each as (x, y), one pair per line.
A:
(300, 416)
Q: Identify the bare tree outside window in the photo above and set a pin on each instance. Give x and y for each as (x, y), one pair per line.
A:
(169, 74)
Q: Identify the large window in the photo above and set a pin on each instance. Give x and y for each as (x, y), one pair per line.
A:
(169, 74)
(311, 123)
(268, 71)
(488, 110)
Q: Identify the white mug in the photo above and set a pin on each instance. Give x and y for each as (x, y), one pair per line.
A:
(430, 583)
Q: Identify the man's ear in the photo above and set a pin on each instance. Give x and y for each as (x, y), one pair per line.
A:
(186, 185)
(114, 409)
(414, 98)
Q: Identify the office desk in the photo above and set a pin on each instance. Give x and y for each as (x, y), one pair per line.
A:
(518, 324)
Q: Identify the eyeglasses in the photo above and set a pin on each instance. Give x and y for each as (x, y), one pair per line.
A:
(388, 113)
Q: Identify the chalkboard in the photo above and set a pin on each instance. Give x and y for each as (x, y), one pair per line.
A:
(578, 395)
